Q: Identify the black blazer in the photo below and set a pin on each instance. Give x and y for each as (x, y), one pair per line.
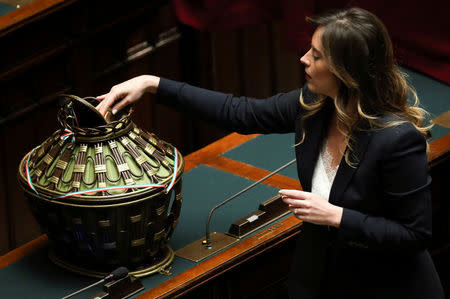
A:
(379, 250)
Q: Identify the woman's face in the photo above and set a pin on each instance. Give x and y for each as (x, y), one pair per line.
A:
(320, 79)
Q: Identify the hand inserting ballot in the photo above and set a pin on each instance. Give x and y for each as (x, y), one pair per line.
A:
(312, 208)
(127, 93)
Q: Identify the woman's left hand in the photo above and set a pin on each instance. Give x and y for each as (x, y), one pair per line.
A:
(312, 208)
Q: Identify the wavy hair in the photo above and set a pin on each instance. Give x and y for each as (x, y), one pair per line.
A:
(359, 52)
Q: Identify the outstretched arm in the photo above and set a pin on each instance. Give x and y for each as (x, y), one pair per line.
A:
(276, 114)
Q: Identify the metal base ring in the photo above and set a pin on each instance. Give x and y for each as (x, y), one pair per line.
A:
(156, 268)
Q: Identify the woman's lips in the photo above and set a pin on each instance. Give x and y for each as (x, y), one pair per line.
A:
(307, 77)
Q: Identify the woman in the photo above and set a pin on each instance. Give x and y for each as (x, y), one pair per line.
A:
(361, 158)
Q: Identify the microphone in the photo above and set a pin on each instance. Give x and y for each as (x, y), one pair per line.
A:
(207, 241)
(119, 273)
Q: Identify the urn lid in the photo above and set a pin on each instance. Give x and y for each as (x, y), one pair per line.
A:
(93, 160)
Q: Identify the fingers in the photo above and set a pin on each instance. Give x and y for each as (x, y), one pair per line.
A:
(124, 102)
(294, 194)
(295, 203)
(100, 108)
(310, 207)
(101, 105)
(127, 93)
(102, 97)
(108, 101)
(299, 212)
(294, 197)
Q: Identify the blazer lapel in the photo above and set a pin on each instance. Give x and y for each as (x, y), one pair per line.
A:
(309, 150)
(345, 172)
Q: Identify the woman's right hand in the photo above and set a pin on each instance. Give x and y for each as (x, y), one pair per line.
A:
(127, 93)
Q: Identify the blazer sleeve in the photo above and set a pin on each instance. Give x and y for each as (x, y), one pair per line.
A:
(245, 115)
(404, 223)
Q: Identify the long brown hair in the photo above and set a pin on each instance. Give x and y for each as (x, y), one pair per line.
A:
(359, 52)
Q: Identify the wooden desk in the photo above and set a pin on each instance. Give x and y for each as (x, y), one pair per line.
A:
(269, 240)
(254, 266)
(28, 13)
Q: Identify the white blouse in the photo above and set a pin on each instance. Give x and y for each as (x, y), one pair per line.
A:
(324, 173)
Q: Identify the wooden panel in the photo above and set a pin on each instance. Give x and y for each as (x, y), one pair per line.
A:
(263, 276)
(50, 77)
(257, 61)
(28, 13)
(28, 248)
(226, 69)
(216, 67)
(17, 2)
(17, 140)
(29, 45)
(16, 97)
(166, 120)
(439, 150)
(226, 260)
(136, 31)
(79, 70)
(142, 115)
(288, 69)
(210, 152)
(4, 217)
(20, 139)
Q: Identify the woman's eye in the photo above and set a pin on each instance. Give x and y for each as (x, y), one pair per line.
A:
(315, 57)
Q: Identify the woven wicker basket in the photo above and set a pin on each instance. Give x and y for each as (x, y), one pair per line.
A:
(102, 192)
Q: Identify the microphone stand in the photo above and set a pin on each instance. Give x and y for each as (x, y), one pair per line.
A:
(207, 241)
(119, 273)
(110, 276)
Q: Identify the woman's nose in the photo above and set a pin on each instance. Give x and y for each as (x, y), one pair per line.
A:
(305, 60)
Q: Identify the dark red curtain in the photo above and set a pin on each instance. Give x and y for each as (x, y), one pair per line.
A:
(420, 30)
